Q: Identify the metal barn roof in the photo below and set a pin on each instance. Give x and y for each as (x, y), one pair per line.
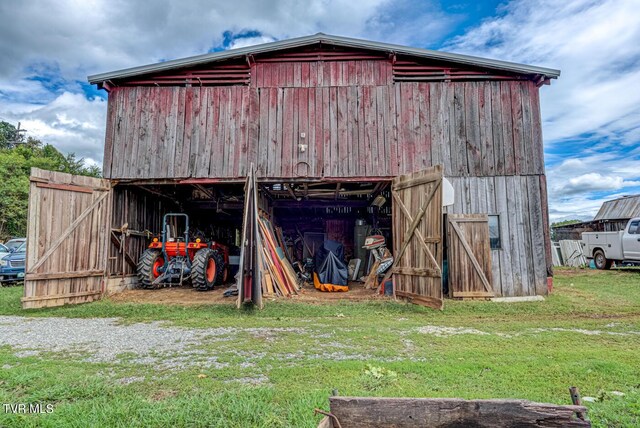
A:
(622, 208)
(329, 40)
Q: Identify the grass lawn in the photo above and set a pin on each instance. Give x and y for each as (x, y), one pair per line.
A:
(278, 364)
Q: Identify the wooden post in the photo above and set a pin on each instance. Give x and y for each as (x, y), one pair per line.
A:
(575, 399)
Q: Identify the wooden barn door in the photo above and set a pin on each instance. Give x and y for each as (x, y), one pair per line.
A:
(417, 236)
(469, 256)
(66, 239)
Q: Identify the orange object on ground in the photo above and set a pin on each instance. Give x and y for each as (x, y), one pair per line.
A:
(327, 287)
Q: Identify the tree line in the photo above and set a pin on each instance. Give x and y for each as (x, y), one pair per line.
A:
(18, 154)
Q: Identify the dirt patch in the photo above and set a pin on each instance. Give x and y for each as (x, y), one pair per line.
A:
(357, 292)
(174, 295)
(188, 296)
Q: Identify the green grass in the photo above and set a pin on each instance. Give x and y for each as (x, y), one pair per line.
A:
(528, 350)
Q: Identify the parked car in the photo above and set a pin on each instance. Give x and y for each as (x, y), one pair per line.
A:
(12, 265)
(14, 243)
(608, 247)
(4, 250)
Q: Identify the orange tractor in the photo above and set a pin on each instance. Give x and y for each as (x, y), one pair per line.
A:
(176, 260)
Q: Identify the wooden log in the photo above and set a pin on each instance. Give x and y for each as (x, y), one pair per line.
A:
(361, 412)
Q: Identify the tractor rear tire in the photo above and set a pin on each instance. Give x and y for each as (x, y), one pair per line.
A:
(207, 269)
(148, 266)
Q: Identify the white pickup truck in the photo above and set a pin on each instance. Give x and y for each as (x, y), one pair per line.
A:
(608, 247)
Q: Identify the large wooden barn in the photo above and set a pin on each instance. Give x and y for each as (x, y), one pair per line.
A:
(343, 134)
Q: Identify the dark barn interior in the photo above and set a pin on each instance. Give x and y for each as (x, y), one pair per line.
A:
(305, 214)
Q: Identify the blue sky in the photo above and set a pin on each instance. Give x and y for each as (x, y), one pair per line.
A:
(591, 115)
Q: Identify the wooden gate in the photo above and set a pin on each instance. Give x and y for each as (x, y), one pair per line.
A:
(66, 239)
(469, 256)
(417, 237)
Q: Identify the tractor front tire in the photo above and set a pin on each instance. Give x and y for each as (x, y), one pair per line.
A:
(207, 269)
(148, 266)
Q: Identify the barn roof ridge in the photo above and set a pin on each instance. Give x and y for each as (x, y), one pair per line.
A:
(329, 39)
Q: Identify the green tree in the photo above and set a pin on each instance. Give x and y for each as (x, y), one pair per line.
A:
(16, 161)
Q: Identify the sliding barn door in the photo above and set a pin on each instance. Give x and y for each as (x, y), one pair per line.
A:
(67, 235)
(469, 256)
(417, 236)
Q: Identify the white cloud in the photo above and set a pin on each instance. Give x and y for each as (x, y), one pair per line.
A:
(103, 35)
(67, 40)
(593, 42)
(578, 186)
(594, 182)
(70, 122)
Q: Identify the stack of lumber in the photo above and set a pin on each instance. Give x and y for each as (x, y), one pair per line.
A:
(278, 276)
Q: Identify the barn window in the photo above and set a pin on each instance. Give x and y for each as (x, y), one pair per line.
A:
(494, 232)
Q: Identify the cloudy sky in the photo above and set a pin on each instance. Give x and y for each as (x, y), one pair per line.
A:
(591, 115)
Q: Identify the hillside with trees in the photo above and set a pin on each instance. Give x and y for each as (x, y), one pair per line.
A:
(18, 154)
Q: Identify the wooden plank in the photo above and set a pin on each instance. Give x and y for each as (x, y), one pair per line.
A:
(486, 129)
(507, 129)
(472, 124)
(538, 244)
(63, 275)
(287, 132)
(418, 271)
(253, 130)
(419, 299)
(381, 162)
(506, 253)
(369, 412)
(545, 223)
(519, 263)
(197, 119)
(536, 129)
(532, 164)
(424, 147)
(113, 100)
(69, 187)
(61, 296)
(497, 133)
(459, 163)
(178, 136)
(473, 294)
(391, 130)
(183, 156)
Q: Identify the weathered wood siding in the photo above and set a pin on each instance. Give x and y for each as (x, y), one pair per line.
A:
(349, 127)
(519, 267)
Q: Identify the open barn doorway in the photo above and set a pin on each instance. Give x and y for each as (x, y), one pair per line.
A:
(158, 223)
(322, 228)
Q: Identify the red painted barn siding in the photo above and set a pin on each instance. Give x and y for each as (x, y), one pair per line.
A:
(350, 129)
(321, 74)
